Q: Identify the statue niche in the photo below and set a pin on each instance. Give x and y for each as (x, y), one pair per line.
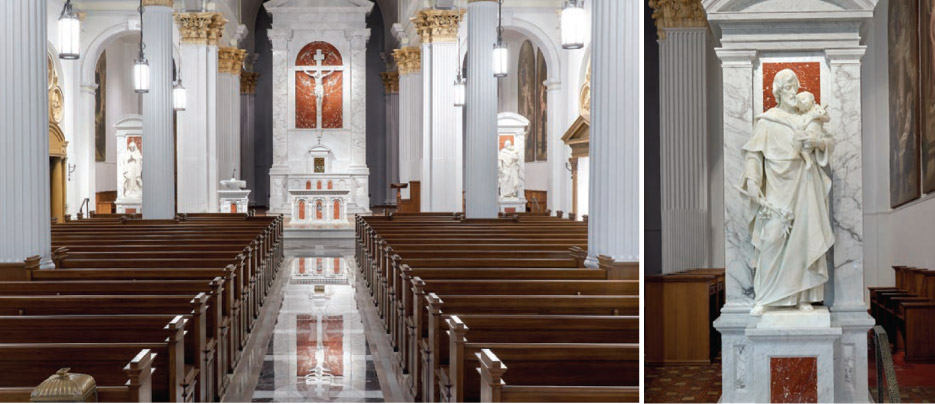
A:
(319, 87)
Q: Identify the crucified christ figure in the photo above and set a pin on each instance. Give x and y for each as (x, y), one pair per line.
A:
(319, 75)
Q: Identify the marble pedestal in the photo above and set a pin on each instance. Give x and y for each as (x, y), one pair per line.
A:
(232, 198)
(512, 205)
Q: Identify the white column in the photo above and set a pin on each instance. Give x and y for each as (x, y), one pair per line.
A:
(442, 158)
(247, 130)
(560, 191)
(278, 196)
(614, 220)
(391, 86)
(409, 60)
(196, 143)
(230, 61)
(24, 158)
(480, 164)
(359, 112)
(158, 136)
(683, 148)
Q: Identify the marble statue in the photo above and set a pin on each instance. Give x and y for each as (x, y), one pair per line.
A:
(511, 171)
(785, 182)
(133, 173)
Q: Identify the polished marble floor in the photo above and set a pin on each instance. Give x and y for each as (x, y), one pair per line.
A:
(318, 351)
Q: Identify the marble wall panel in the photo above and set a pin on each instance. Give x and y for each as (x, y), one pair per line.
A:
(793, 380)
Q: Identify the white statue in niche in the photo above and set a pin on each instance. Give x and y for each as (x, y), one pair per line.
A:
(785, 181)
(511, 171)
(133, 173)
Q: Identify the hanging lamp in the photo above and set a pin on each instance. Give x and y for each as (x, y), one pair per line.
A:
(460, 85)
(574, 20)
(69, 33)
(141, 65)
(501, 54)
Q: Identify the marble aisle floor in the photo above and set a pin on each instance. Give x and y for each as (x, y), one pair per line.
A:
(318, 351)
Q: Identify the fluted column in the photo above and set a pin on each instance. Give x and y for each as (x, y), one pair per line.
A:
(409, 60)
(247, 130)
(442, 180)
(391, 88)
(24, 158)
(230, 62)
(480, 164)
(278, 196)
(196, 144)
(614, 192)
(683, 127)
(158, 136)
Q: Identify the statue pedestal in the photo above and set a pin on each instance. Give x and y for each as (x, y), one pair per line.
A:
(512, 205)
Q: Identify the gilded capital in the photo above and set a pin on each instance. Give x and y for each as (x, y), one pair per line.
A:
(390, 82)
(408, 59)
(438, 25)
(678, 14)
(248, 82)
(230, 60)
(199, 28)
(163, 3)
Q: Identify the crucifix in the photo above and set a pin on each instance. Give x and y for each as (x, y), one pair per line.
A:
(319, 75)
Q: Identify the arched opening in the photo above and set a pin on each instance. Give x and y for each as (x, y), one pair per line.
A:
(319, 209)
(301, 210)
(337, 210)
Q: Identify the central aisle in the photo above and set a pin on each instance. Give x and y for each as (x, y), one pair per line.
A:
(318, 351)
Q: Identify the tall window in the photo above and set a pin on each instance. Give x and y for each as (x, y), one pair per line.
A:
(319, 87)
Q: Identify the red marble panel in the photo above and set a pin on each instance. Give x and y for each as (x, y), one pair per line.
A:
(308, 185)
(306, 56)
(333, 341)
(793, 380)
(233, 208)
(301, 265)
(318, 185)
(509, 210)
(337, 265)
(135, 139)
(330, 184)
(318, 209)
(301, 210)
(306, 108)
(318, 266)
(809, 80)
(130, 211)
(504, 138)
(306, 341)
(332, 115)
(337, 209)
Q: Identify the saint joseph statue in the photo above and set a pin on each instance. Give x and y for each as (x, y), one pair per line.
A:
(789, 202)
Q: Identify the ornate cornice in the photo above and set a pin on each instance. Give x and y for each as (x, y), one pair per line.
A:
(248, 82)
(409, 59)
(163, 3)
(230, 60)
(200, 28)
(390, 82)
(678, 14)
(438, 25)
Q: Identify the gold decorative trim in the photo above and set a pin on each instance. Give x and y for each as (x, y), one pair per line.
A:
(438, 25)
(230, 60)
(390, 82)
(678, 14)
(163, 3)
(200, 28)
(408, 59)
(248, 82)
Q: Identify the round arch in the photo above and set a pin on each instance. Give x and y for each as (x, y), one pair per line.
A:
(541, 40)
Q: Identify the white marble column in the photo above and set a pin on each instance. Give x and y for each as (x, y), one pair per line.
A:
(247, 130)
(442, 158)
(391, 97)
(230, 61)
(358, 122)
(158, 135)
(196, 144)
(25, 218)
(278, 195)
(480, 164)
(683, 152)
(614, 211)
(559, 197)
(409, 60)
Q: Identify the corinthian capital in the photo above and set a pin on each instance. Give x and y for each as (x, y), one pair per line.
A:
(678, 14)
(409, 59)
(199, 28)
(438, 25)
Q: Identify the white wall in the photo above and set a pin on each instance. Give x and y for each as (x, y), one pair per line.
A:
(120, 101)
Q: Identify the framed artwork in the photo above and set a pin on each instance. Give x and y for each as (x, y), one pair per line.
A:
(542, 112)
(905, 184)
(100, 110)
(319, 165)
(927, 105)
(526, 102)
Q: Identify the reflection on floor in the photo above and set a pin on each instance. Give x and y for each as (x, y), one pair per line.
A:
(318, 351)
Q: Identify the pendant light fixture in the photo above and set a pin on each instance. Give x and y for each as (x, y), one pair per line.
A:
(141, 65)
(501, 54)
(574, 20)
(460, 81)
(179, 100)
(69, 33)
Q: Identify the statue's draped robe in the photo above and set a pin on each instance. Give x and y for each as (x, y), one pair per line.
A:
(791, 267)
(509, 173)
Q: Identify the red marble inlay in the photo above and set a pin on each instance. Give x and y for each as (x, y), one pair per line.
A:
(308, 185)
(334, 344)
(809, 80)
(318, 209)
(130, 211)
(337, 209)
(337, 265)
(318, 184)
(135, 139)
(301, 265)
(233, 208)
(332, 105)
(509, 210)
(307, 55)
(330, 184)
(306, 341)
(504, 138)
(793, 380)
(301, 210)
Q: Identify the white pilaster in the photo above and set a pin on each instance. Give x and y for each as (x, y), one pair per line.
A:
(683, 148)
(614, 211)
(409, 60)
(481, 192)
(278, 193)
(24, 158)
(228, 112)
(392, 144)
(358, 110)
(248, 132)
(560, 175)
(158, 136)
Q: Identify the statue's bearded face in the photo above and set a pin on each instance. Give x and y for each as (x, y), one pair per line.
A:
(788, 92)
(785, 88)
